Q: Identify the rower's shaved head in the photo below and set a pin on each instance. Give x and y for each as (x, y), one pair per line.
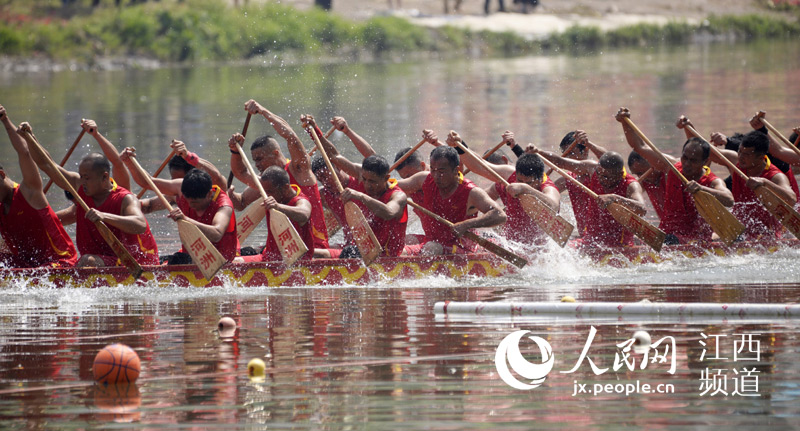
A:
(702, 144)
(266, 142)
(612, 161)
(276, 176)
(97, 162)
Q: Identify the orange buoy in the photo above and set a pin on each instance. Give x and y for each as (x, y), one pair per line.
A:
(116, 363)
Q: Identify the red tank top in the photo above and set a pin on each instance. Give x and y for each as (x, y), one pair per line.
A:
(749, 210)
(318, 227)
(602, 229)
(657, 193)
(271, 251)
(335, 204)
(34, 237)
(391, 234)
(581, 204)
(453, 208)
(681, 217)
(228, 245)
(142, 247)
(519, 226)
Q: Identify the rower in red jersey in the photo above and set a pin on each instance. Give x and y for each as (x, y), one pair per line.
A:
(199, 202)
(381, 201)
(612, 183)
(289, 199)
(450, 195)
(753, 161)
(31, 230)
(653, 183)
(681, 221)
(266, 152)
(580, 201)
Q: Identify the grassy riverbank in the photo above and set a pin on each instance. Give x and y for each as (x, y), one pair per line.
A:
(208, 30)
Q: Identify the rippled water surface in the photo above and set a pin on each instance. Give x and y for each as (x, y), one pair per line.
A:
(377, 357)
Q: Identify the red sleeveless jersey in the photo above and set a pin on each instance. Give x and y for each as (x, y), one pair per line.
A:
(657, 193)
(318, 227)
(602, 229)
(453, 208)
(749, 210)
(142, 247)
(334, 201)
(34, 237)
(391, 234)
(581, 204)
(681, 217)
(519, 226)
(271, 251)
(228, 245)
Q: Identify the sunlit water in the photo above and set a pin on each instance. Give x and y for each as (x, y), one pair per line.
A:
(376, 357)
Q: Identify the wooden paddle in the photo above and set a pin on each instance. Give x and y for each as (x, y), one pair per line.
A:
(122, 253)
(406, 156)
(564, 154)
(247, 221)
(771, 201)
(651, 235)
(365, 239)
(244, 133)
(291, 246)
(780, 136)
(327, 135)
(507, 255)
(204, 254)
(486, 156)
(66, 156)
(713, 212)
(158, 171)
(551, 223)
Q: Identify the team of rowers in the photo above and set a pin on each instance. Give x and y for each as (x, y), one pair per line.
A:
(300, 188)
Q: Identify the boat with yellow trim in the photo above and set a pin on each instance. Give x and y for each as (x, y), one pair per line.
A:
(273, 274)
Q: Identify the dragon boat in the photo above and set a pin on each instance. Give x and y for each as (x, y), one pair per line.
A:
(273, 274)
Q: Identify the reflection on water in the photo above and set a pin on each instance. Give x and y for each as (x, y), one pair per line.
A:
(360, 357)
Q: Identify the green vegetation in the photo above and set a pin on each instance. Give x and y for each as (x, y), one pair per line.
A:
(208, 30)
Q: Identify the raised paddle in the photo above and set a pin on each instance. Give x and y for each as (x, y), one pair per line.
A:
(516, 260)
(713, 212)
(551, 223)
(775, 132)
(327, 135)
(244, 133)
(488, 153)
(281, 228)
(122, 253)
(406, 156)
(66, 156)
(158, 171)
(771, 201)
(204, 254)
(651, 235)
(564, 154)
(365, 239)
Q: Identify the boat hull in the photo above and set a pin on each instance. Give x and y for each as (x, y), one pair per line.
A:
(273, 274)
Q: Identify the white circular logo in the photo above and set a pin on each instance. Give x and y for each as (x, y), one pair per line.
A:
(509, 348)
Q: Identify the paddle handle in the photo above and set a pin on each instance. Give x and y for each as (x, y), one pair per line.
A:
(718, 153)
(244, 133)
(406, 156)
(564, 154)
(569, 178)
(158, 171)
(656, 150)
(483, 163)
(327, 159)
(252, 172)
(489, 153)
(151, 184)
(66, 157)
(327, 135)
(780, 136)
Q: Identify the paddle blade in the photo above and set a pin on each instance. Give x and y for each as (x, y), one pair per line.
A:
(124, 255)
(249, 219)
(649, 234)
(204, 254)
(784, 212)
(365, 239)
(727, 227)
(515, 260)
(289, 242)
(551, 223)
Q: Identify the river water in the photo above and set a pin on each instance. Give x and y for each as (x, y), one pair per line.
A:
(377, 357)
